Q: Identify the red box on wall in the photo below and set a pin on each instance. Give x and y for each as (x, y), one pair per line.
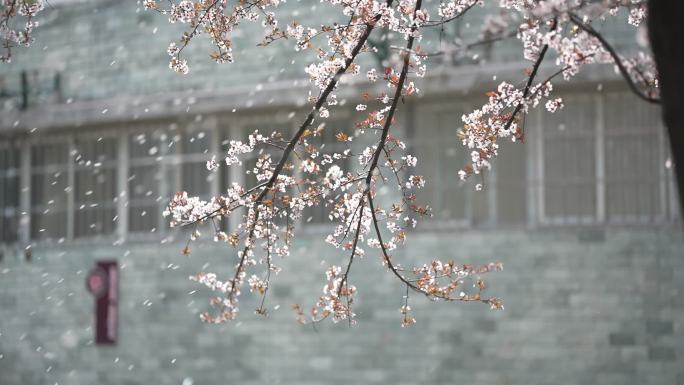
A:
(103, 284)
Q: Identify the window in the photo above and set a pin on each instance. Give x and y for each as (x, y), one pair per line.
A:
(50, 188)
(145, 177)
(95, 191)
(508, 184)
(634, 160)
(568, 160)
(440, 155)
(602, 159)
(189, 155)
(185, 163)
(73, 186)
(162, 162)
(9, 192)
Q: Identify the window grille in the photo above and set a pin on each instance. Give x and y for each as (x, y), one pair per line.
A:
(440, 156)
(145, 179)
(569, 162)
(193, 151)
(603, 160)
(50, 188)
(509, 184)
(95, 189)
(635, 163)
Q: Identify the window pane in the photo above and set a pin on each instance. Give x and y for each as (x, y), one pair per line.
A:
(143, 145)
(634, 163)
(570, 162)
(197, 142)
(143, 218)
(511, 183)
(143, 188)
(187, 165)
(196, 147)
(49, 225)
(9, 192)
(95, 189)
(144, 182)
(49, 154)
(197, 179)
(440, 156)
(95, 207)
(49, 190)
(145, 176)
(95, 151)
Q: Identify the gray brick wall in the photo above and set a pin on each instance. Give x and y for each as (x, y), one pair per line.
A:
(105, 48)
(607, 311)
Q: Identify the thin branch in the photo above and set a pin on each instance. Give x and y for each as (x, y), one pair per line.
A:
(616, 58)
(445, 21)
(321, 100)
(385, 254)
(528, 86)
(383, 140)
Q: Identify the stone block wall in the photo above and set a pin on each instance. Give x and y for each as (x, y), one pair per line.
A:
(601, 309)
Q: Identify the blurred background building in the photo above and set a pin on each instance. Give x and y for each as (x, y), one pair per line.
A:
(96, 134)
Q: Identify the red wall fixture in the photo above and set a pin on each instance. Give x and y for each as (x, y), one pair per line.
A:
(103, 283)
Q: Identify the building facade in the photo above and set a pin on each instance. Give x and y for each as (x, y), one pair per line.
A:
(96, 135)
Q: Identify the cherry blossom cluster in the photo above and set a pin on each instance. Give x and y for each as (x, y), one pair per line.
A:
(190, 209)
(452, 8)
(497, 119)
(563, 27)
(215, 18)
(447, 280)
(642, 69)
(337, 299)
(497, 25)
(229, 310)
(637, 10)
(17, 21)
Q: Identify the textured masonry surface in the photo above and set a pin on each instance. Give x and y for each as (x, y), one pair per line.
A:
(577, 312)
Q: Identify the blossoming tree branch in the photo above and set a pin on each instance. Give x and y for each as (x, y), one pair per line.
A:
(303, 174)
(17, 21)
(297, 172)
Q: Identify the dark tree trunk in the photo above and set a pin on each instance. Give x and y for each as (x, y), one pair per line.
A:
(667, 40)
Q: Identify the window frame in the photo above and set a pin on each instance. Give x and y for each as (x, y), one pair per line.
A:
(112, 165)
(68, 169)
(667, 213)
